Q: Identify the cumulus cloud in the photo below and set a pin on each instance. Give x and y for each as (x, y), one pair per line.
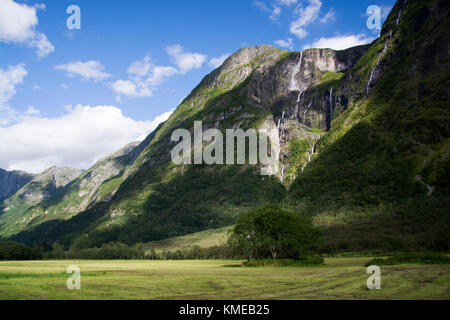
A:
(18, 24)
(306, 16)
(285, 43)
(218, 61)
(340, 42)
(76, 139)
(185, 61)
(144, 78)
(89, 70)
(131, 88)
(141, 67)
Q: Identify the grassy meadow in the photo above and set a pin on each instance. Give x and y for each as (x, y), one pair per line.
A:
(338, 278)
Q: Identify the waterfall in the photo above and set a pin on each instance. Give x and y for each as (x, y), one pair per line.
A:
(284, 112)
(430, 188)
(331, 105)
(282, 174)
(399, 15)
(313, 151)
(279, 122)
(378, 62)
(293, 85)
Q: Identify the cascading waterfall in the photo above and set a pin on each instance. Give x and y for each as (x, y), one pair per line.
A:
(399, 15)
(313, 151)
(378, 62)
(293, 85)
(331, 105)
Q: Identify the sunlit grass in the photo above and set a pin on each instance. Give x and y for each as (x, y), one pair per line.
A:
(339, 278)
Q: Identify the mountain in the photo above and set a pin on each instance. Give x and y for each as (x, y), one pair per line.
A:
(364, 148)
(60, 193)
(40, 189)
(11, 181)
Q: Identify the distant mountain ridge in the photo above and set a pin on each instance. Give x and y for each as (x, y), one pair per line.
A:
(12, 181)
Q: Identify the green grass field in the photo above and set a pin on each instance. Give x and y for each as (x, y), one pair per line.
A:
(339, 278)
(203, 239)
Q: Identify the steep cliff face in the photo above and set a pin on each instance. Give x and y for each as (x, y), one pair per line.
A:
(11, 181)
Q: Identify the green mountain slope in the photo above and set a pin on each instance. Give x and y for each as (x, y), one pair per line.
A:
(364, 147)
(381, 178)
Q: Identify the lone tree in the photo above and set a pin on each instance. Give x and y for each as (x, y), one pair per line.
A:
(271, 232)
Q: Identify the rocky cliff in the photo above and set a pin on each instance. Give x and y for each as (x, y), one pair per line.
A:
(59, 193)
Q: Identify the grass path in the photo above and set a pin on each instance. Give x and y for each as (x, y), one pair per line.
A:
(339, 278)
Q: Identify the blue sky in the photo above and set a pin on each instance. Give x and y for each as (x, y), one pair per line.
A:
(137, 59)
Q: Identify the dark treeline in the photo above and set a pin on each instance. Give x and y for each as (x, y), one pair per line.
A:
(16, 251)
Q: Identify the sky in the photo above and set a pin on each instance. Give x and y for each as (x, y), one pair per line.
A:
(70, 96)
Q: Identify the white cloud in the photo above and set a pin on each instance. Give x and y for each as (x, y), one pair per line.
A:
(306, 16)
(76, 139)
(18, 24)
(64, 86)
(275, 13)
(275, 8)
(9, 115)
(285, 44)
(287, 2)
(141, 67)
(330, 16)
(218, 61)
(145, 77)
(40, 6)
(340, 42)
(32, 111)
(261, 5)
(43, 46)
(131, 88)
(159, 74)
(9, 79)
(185, 61)
(89, 70)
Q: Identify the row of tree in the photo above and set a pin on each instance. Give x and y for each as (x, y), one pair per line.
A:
(263, 233)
